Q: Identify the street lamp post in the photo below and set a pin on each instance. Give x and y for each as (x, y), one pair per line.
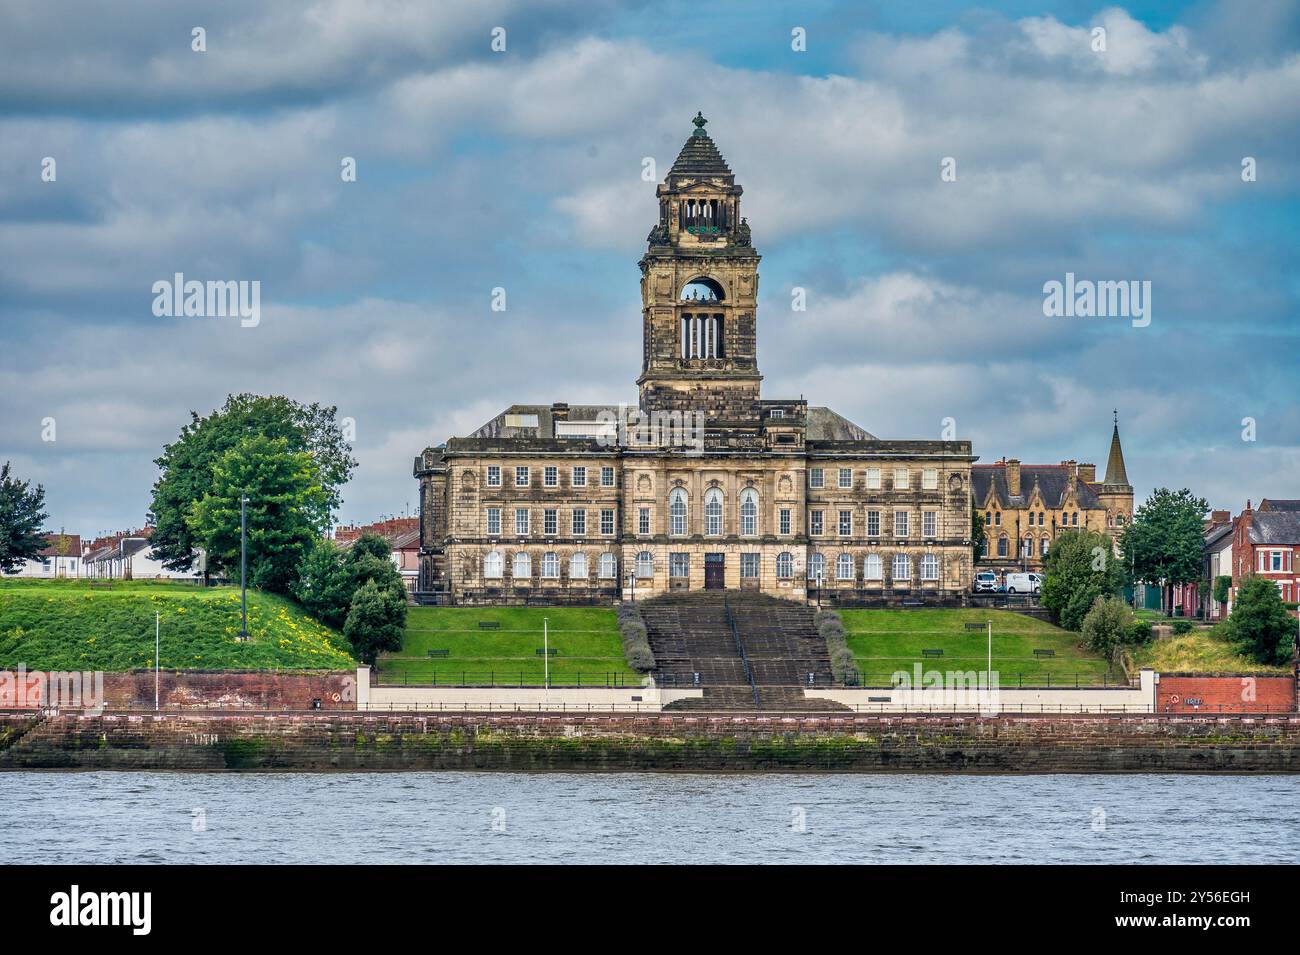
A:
(243, 566)
(157, 644)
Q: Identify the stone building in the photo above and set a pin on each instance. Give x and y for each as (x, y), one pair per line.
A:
(704, 484)
(1026, 505)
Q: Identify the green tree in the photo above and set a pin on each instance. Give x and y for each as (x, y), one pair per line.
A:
(977, 533)
(329, 576)
(1079, 567)
(1222, 588)
(1163, 545)
(187, 464)
(287, 510)
(375, 621)
(1260, 624)
(22, 514)
(1108, 625)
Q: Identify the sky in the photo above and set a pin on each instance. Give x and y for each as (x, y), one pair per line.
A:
(521, 169)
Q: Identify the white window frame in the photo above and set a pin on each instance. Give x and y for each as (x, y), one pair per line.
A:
(550, 476)
(929, 566)
(578, 566)
(929, 479)
(784, 521)
(873, 523)
(844, 523)
(816, 522)
(643, 521)
(902, 479)
(816, 477)
(902, 524)
(578, 522)
(579, 476)
(550, 566)
(550, 522)
(606, 476)
(523, 522)
(494, 475)
(713, 506)
(873, 568)
(844, 479)
(904, 562)
(749, 512)
(751, 565)
(929, 524)
(494, 565)
(785, 565)
(607, 521)
(494, 522)
(608, 566)
(645, 565)
(522, 475)
(844, 566)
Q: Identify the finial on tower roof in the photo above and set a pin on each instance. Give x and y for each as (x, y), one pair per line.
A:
(699, 122)
(1116, 416)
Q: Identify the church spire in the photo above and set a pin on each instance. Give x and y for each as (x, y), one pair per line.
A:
(1116, 475)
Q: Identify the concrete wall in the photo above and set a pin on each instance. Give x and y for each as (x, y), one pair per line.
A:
(1139, 699)
(642, 699)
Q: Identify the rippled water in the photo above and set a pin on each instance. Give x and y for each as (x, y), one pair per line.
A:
(639, 818)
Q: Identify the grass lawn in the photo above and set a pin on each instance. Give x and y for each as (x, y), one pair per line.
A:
(1204, 651)
(884, 641)
(589, 647)
(68, 625)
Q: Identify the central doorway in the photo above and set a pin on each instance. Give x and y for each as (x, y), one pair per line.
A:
(715, 571)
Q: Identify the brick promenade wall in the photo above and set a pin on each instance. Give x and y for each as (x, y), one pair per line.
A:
(232, 689)
(343, 741)
(1224, 693)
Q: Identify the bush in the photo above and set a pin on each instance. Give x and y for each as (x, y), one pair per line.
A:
(375, 620)
(844, 666)
(1260, 624)
(1107, 625)
(1182, 626)
(636, 639)
(1139, 633)
(1222, 588)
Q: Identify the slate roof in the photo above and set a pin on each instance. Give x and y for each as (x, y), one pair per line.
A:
(699, 155)
(1052, 481)
(826, 425)
(1115, 471)
(1275, 527)
(1279, 504)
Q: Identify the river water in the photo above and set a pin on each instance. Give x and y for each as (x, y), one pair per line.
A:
(645, 818)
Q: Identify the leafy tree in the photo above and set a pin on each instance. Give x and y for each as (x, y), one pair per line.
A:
(1108, 625)
(187, 464)
(977, 533)
(287, 510)
(1222, 588)
(22, 515)
(323, 586)
(1164, 542)
(1079, 568)
(375, 621)
(1260, 624)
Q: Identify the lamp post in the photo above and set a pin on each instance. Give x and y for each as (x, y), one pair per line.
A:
(243, 566)
(157, 643)
(546, 654)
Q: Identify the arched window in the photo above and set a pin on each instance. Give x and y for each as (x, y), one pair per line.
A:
(493, 565)
(1074, 519)
(748, 512)
(902, 567)
(1003, 547)
(929, 567)
(578, 566)
(713, 512)
(816, 567)
(985, 548)
(785, 565)
(1043, 545)
(844, 567)
(551, 564)
(523, 567)
(1027, 550)
(677, 512)
(645, 564)
(872, 569)
(608, 567)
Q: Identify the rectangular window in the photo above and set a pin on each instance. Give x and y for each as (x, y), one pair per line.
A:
(873, 523)
(550, 521)
(816, 477)
(579, 477)
(579, 521)
(784, 521)
(551, 476)
(643, 521)
(521, 477)
(902, 479)
(521, 521)
(930, 479)
(607, 477)
(846, 477)
(928, 524)
(607, 521)
(815, 523)
(494, 475)
(997, 518)
(900, 523)
(494, 522)
(749, 565)
(679, 565)
(846, 523)
(873, 479)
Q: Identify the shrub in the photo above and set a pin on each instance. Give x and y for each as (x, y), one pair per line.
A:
(1139, 633)
(636, 639)
(1260, 624)
(1182, 626)
(1107, 625)
(375, 620)
(1222, 588)
(844, 666)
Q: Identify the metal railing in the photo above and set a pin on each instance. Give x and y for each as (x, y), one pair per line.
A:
(504, 678)
(740, 646)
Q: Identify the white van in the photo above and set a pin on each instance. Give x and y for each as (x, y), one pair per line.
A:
(1024, 583)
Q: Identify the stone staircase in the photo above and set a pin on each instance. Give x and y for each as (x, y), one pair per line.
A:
(762, 665)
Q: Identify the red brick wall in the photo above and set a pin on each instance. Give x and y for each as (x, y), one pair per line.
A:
(1225, 693)
(233, 689)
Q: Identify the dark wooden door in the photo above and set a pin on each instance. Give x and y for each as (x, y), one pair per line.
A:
(715, 568)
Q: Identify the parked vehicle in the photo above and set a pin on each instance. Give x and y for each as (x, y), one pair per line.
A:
(986, 582)
(1024, 583)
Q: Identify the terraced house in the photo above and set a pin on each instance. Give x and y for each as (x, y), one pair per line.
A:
(704, 483)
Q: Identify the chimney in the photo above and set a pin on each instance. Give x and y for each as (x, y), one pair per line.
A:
(1088, 473)
(1013, 477)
